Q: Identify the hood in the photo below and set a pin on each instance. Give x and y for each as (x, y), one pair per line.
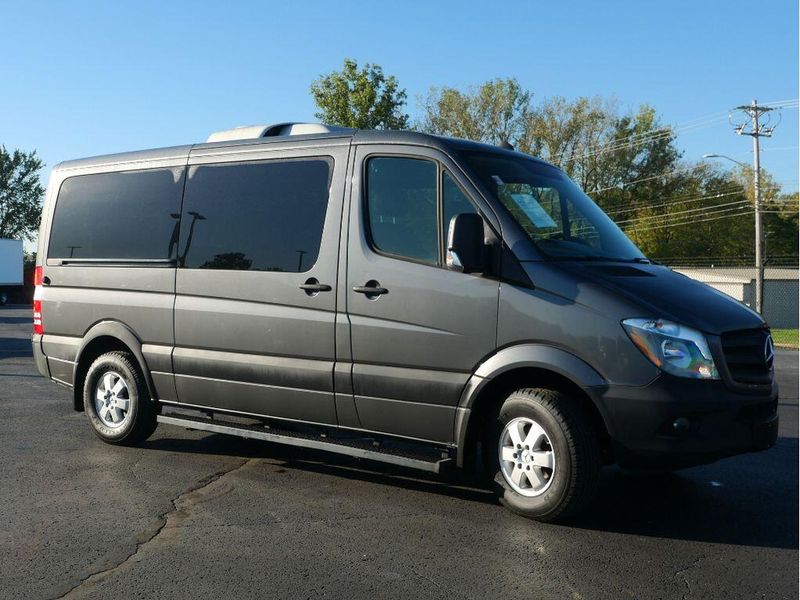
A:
(657, 291)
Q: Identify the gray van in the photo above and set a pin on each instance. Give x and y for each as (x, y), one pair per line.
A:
(400, 297)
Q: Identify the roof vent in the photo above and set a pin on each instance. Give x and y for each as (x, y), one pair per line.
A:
(249, 132)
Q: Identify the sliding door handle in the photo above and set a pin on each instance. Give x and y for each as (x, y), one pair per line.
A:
(313, 287)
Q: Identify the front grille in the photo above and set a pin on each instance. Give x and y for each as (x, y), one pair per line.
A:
(748, 355)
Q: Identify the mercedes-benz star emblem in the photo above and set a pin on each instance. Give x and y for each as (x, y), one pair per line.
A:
(769, 351)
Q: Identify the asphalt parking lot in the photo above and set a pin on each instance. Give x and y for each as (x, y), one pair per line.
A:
(192, 514)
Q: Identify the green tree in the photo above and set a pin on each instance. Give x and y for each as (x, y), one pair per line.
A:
(780, 216)
(587, 137)
(629, 164)
(20, 194)
(604, 151)
(362, 98)
(781, 229)
(228, 260)
(495, 111)
(711, 218)
(563, 132)
(706, 216)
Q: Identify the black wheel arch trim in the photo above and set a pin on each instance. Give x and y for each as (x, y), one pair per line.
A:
(539, 356)
(123, 333)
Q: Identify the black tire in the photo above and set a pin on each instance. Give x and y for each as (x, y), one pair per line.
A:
(140, 423)
(573, 442)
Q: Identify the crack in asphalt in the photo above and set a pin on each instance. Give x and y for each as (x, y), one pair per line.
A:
(180, 503)
(442, 589)
(683, 570)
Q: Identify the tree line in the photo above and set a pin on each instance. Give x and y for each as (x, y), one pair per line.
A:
(675, 210)
(628, 162)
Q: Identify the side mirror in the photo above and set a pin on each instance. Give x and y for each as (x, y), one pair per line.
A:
(466, 251)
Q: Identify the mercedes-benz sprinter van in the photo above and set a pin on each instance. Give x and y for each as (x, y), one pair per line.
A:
(394, 296)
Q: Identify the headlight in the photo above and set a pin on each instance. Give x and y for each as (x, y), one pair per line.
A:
(674, 348)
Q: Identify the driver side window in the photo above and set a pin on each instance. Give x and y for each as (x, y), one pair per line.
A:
(402, 207)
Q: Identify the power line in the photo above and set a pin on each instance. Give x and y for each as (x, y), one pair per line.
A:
(708, 209)
(680, 200)
(709, 194)
(690, 195)
(698, 123)
(693, 221)
(653, 136)
(683, 219)
(659, 176)
(713, 217)
(682, 170)
(678, 218)
(656, 133)
(779, 103)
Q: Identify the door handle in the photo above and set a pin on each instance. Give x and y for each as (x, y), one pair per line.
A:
(372, 289)
(313, 287)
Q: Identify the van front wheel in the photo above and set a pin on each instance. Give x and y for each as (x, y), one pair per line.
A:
(547, 459)
(116, 400)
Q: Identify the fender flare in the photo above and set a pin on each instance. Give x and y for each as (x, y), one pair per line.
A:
(541, 356)
(124, 334)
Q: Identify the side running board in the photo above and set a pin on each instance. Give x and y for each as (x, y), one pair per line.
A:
(423, 459)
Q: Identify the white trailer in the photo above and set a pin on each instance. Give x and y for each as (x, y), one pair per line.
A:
(11, 258)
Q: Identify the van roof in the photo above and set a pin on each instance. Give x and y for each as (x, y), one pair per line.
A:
(356, 136)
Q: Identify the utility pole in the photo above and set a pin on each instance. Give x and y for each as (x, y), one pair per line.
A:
(300, 260)
(756, 129)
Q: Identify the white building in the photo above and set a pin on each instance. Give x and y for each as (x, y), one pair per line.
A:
(780, 289)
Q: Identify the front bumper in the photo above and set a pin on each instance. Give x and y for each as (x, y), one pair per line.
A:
(713, 421)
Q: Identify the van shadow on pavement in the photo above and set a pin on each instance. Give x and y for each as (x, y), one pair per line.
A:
(734, 501)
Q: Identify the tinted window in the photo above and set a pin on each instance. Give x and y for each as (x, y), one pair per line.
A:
(454, 202)
(264, 216)
(401, 201)
(132, 215)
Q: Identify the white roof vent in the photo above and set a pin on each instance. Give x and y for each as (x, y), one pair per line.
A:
(249, 132)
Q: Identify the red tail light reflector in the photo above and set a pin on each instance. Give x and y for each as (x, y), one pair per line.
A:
(38, 278)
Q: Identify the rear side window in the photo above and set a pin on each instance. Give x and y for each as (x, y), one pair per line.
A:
(265, 216)
(401, 201)
(129, 215)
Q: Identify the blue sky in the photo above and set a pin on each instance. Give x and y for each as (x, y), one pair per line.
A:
(86, 78)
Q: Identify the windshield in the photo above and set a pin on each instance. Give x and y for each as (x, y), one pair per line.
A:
(559, 218)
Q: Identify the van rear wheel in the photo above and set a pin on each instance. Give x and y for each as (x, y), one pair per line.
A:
(116, 400)
(546, 454)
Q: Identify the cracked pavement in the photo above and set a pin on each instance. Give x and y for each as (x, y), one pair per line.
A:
(192, 513)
